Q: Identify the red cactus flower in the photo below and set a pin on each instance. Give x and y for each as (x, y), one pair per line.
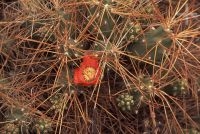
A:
(89, 72)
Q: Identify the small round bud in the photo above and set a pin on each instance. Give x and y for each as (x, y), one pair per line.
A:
(125, 101)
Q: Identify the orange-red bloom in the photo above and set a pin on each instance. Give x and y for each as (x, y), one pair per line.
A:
(89, 72)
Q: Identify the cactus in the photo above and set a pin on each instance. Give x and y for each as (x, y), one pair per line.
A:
(146, 83)
(17, 114)
(106, 25)
(10, 128)
(131, 102)
(125, 101)
(146, 87)
(43, 126)
(134, 100)
(137, 97)
(103, 17)
(132, 30)
(153, 45)
(179, 87)
(18, 120)
(89, 50)
(57, 102)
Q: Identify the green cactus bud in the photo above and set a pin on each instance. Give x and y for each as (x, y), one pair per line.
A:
(146, 83)
(132, 30)
(43, 126)
(125, 101)
(179, 87)
(10, 128)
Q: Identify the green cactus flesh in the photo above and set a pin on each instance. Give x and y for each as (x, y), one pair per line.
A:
(152, 45)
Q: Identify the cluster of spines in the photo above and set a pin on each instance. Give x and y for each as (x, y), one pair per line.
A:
(125, 101)
(43, 126)
(58, 102)
(20, 121)
(138, 96)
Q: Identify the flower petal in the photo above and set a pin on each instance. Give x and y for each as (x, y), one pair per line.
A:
(76, 76)
(90, 61)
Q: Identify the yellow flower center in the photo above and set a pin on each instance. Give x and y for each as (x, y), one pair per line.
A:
(89, 73)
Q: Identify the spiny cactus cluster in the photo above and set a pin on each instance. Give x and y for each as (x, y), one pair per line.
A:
(178, 87)
(125, 101)
(58, 102)
(19, 121)
(152, 45)
(10, 128)
(43, 126)
(146, 83)
(70, 66)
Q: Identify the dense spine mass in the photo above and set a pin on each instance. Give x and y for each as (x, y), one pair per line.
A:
(99, 66)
